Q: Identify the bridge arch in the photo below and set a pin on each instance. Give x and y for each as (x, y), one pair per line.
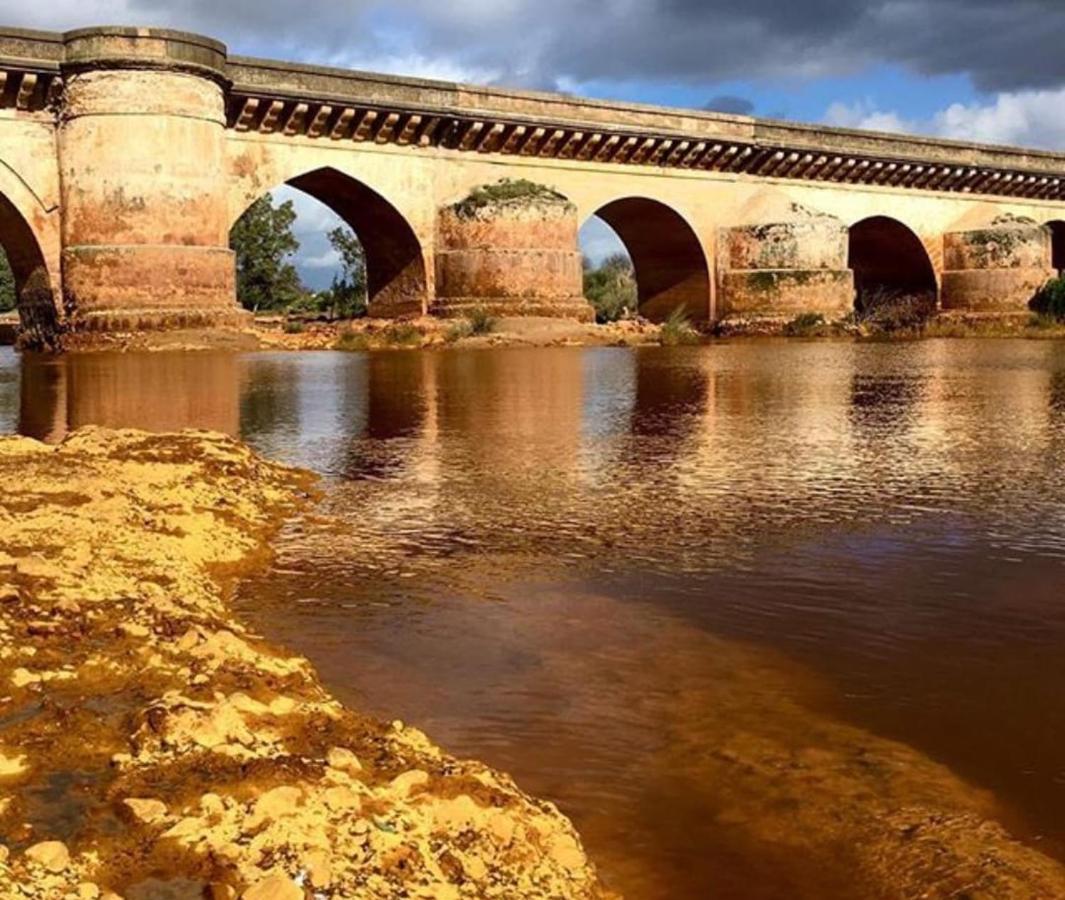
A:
(1057, 244)
(668, 260)
(34, 294)
(397, 282)
(889, 261)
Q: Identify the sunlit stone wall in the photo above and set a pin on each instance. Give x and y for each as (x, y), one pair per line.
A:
(516, 256)
(996, 269)
(784, 268)
(141, 149)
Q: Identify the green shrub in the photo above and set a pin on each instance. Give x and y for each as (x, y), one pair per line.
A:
(1041, 322)
(677, 330)
(481, 321)
(1050, 301)
(293, 326)
(888, 310)
(457, 331)
(353, 341)
(402, 334)
(611, 288)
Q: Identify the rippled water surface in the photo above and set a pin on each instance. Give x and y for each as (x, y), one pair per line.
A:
(694, 596)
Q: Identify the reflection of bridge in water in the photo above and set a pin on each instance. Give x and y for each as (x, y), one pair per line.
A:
(128, 155)
(584, 416)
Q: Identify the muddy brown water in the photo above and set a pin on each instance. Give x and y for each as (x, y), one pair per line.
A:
(596, 568)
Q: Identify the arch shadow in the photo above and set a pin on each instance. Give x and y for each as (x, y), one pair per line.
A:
(36, 303)
(397, 284)
(668, 261)
(889, 261)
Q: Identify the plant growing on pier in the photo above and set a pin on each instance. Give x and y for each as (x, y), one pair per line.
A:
(264, 242)
(506, 192)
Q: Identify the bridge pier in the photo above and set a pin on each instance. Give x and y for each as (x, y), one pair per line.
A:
(997, 269)
(141, 148)
(777, 270)
(510, 249)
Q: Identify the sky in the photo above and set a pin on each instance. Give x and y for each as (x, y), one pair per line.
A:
(984, 70)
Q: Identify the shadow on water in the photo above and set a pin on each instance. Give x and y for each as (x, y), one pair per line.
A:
(725, 605)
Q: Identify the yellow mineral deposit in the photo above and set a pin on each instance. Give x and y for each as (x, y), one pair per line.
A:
(226, 762)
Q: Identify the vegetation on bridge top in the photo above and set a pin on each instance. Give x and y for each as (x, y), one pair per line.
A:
(508, 192)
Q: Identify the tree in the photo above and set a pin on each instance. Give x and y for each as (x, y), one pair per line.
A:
(611, 287)
(348, 292)
(264, 242)
(8, 294)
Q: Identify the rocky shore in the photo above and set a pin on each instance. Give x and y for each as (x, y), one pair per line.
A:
(151, 747)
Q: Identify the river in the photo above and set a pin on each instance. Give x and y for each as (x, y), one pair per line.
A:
(721, 604)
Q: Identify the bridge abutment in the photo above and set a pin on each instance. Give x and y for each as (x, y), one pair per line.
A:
(141, 155)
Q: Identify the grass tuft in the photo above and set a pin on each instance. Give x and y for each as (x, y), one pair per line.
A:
(677, 330)
(352, 341)
(506, 192)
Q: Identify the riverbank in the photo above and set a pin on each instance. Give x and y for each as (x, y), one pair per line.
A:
(151, 746)
(427, 332)
(430, 333)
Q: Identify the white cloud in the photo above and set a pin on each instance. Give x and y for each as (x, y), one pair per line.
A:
(67, 14)
(1026, 118)
(863, 114)
(598, 240)
(1021, 118)
(328, 260)
(417, 65)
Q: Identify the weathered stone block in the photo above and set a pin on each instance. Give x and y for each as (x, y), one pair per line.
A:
(784, 293)
(997, 269)
(816, 243)
(154, 285)
(1016, 245)
(992, 290)
(142, 149)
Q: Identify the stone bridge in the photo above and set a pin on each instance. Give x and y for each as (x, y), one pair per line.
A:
(128, 154)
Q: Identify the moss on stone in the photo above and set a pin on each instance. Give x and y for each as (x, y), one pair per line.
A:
(509, 192)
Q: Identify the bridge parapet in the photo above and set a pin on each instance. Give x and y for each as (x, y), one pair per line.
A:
(339, 105)
(29, 70)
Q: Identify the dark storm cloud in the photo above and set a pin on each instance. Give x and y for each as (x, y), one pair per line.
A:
(1002, 44)
(728, 103)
